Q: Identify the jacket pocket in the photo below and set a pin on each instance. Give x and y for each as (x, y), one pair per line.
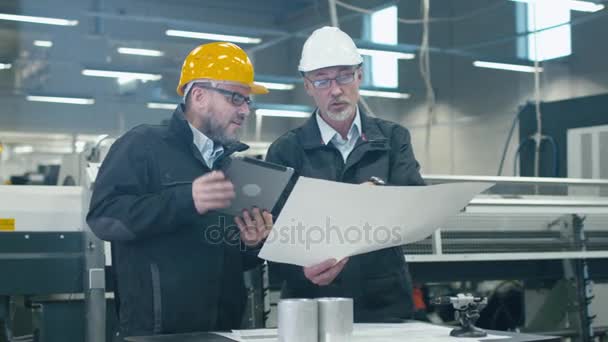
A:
(156, 299)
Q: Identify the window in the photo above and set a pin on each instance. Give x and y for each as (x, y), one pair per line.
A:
(545, 45)
(383, 30)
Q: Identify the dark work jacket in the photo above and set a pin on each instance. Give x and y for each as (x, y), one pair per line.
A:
(176, 271)
(379, 281)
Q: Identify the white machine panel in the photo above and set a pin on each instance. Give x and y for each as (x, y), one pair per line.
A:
(40, 208)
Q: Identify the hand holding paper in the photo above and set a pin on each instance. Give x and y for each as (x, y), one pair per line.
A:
(323, 220)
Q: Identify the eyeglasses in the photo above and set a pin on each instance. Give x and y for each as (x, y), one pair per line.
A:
(237, 99)
(326, 82)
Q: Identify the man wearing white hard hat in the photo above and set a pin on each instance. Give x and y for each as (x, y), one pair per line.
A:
(341, 143)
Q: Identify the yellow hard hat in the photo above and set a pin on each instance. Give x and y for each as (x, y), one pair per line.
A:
(220, 61)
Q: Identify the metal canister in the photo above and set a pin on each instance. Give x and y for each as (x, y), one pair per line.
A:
(335, 319)
(298, 320)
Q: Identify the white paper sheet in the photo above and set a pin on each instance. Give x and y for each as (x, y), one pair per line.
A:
(323, 219)
(412, 332)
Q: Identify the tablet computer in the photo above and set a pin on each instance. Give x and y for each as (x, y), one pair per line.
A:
(258, 184)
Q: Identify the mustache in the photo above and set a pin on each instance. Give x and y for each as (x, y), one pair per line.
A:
(339, 100)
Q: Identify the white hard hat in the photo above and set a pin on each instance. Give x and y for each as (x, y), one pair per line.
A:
(327, 47)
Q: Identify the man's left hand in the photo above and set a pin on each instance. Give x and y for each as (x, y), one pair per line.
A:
(255, 225)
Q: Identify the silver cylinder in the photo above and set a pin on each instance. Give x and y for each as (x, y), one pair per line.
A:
(298, 320)
(335, 319)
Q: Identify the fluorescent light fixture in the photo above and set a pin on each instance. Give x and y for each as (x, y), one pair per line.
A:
(160, 105)
(503, 66)
(5, 66)
(213, 36)
(585, 6)
(575, 5)
(385, 94)
(55, 99)
(125, 80)
(394, 54)
(38, 20)
(23, 149)
(277, 86)
(122, 74)
(140, 52)
(282, 113)
(43, 43)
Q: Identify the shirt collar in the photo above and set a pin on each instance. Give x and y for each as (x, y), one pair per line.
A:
(204, 144)
(328, 132)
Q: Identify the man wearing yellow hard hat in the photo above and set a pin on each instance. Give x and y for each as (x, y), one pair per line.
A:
(178, 262)
(340, 142)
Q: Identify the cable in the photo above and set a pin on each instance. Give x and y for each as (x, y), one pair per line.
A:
(551, 140)
(509, 137)
(430, 20)
(333, 13)
(335, 22)
(539, 128)
(555, 170)
(521, 145)
(425, 72)
(573, 22)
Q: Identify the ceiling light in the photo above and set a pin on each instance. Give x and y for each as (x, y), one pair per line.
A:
(585, 6)
(213, 36)
(55, 99)
(503, 66)
(23, 149)
(43, 43)
(277, 86)
(122, 74)
(160, 105)
(38, 20)
(394, 54)
(575, 5)
(5, 66)
(385, 94)
(282, 113)
(140, 52)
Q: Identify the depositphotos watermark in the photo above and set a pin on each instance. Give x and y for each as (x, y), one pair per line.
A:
(299, 234)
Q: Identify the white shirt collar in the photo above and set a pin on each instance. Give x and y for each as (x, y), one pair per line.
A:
(328, 133)
(208, 150)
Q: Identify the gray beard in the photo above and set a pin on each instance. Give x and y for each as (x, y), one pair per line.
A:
(216, 133)
(340, 116)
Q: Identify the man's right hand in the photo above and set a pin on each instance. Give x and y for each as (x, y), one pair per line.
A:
(324, 273)
(212, 191)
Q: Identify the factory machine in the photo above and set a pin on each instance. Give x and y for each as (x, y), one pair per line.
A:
(547, 236)
(52, 269)
(56, 279)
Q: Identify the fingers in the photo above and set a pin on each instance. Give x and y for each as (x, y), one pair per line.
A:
(315, 270)
(212, 191)
(255, 225)
(325, 272)
(212, 176)
(268, 220)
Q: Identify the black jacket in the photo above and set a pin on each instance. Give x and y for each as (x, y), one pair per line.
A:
(176, 271)
(379, 282)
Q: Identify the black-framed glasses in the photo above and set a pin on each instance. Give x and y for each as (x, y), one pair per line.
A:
(325, 83)
(237, 99)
